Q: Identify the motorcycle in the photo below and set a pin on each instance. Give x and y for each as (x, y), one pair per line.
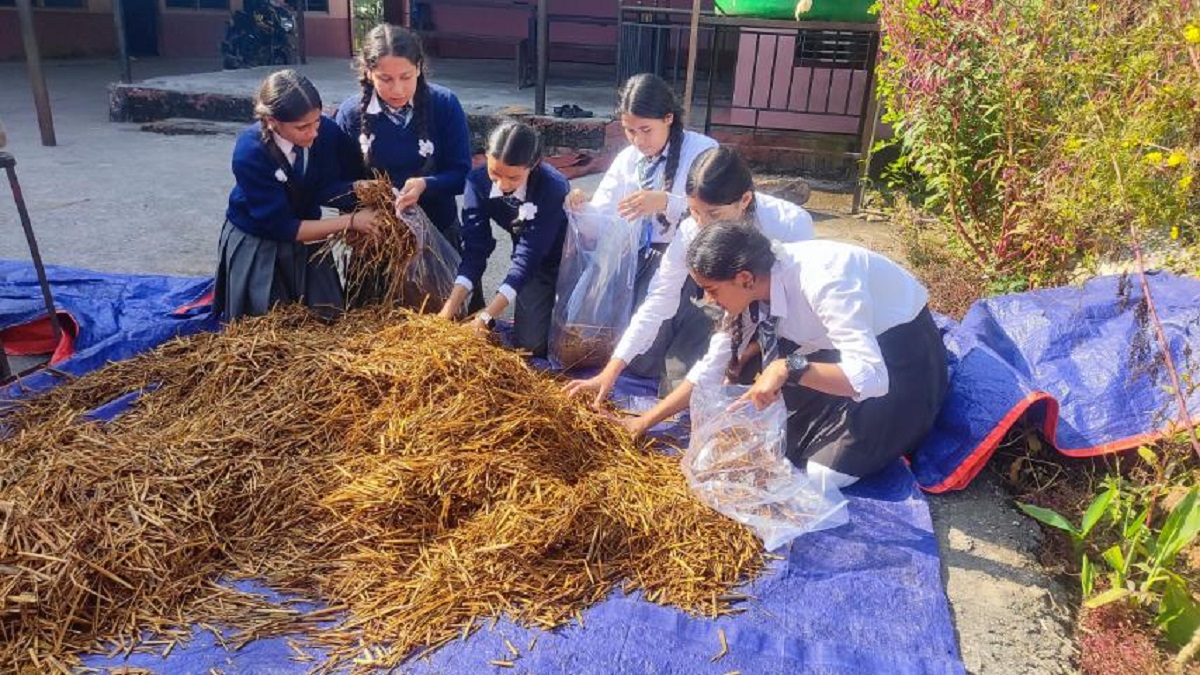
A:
(262, 33)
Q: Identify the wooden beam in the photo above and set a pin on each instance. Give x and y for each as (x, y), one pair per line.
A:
(33, 61)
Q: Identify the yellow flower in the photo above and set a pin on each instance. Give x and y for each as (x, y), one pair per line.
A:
(1178, 157)
(1174, 231)
(1155, 157)
(1093, 7)
(1185, 182)
(1192, 34)
(1073, 144)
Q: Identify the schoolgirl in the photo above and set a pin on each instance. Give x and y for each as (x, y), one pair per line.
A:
(668, 327)
(286, 167)
(867, 375)
(523, 195)
(645, 182)
(414, 131)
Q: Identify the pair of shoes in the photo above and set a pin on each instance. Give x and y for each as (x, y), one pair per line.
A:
(571, 110)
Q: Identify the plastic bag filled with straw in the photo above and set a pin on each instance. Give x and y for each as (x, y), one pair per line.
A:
(409, 263)
(393, 466)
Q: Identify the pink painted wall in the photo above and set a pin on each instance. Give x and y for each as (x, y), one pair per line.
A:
(199, 33)
(60, 33)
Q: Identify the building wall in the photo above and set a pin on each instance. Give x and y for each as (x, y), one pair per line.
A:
(90, 31)
(61, 32)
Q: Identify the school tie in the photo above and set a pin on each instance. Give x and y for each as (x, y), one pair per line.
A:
(646, 168)
(768, 338)
(401, 115)
(298, 165)
(512, 201)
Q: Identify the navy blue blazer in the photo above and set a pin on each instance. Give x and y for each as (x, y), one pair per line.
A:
(396, 152)
(260, 203)
(537, 243)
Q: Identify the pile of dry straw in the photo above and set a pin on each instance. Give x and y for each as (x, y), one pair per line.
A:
(393, 466)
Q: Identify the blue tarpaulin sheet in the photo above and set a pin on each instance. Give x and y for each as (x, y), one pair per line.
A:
(1082, 363)
(862, 598)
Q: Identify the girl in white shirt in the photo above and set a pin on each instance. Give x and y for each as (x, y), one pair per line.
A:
(645, 183)
(669, 333)
(868, 373)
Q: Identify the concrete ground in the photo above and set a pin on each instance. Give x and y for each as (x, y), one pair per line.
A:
(113, 198)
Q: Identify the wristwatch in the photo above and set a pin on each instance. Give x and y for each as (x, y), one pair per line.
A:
(797, 363)
(487, 319)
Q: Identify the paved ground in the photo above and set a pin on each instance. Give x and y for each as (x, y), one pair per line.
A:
(113, 198)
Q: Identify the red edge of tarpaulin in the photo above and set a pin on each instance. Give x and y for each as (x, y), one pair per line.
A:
(974, 463)
(203, 301)
(37, 337)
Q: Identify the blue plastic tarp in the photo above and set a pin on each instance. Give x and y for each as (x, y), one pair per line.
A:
(862, 598)
(1082, 362)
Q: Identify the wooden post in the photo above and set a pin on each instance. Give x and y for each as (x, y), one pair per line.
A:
(543, 56)
(33, 60)
(118, 10)
(690, 81)
(302, 5)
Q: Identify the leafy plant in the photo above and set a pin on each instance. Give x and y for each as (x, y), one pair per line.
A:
(1042, 133)
(1119, 539)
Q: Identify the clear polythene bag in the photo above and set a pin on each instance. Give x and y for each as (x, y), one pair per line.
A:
(735, 464)
(595, 289)
(431, 272)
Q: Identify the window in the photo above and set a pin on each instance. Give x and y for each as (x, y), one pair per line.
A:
(834, 49)
(313, 5)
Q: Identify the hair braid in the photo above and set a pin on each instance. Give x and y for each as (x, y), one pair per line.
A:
(364, 124)
(420, 120)
(674, 149)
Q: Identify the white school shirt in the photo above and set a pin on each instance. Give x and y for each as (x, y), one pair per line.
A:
(831, 295)
(289, 149)
(621, 180)
(780, 220)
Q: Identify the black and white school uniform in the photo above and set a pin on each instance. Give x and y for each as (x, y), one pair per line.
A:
(278, 185)
(843, 304)
(669, 333)
(632, 171)
(534, 217)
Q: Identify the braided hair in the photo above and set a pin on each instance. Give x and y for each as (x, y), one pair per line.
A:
(388, 40)
(722, 250)
(719, 177)
(516, 144)
(287, 96)
(648, 95)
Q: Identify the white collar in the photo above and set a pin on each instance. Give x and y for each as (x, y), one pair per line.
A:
(778, 290)
(285, 145)
(519, 193)
(374, 107)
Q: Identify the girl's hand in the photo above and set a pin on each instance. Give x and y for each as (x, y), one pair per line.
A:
(363, 222)
(636, 426)
(409, 193)
(766, 388)
(642, 203)
(601, 383)
(576, 199)
(480, 328)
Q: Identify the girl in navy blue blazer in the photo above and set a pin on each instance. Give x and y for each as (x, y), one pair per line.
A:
(414, 131)
(524, 196)
(286, 167)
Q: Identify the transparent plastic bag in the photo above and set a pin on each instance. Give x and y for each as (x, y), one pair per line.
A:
(595, 289)
(429, 277)
(735, 464)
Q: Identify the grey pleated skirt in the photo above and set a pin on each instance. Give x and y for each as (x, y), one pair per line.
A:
(860, 438)
(255, 274)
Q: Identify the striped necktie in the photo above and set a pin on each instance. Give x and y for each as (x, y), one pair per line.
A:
(768, 337)
(646, 168)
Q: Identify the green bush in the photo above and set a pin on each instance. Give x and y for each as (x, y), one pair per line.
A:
(1044, 133)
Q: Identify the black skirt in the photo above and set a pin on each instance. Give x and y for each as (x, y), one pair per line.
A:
(860, 438)
(255, 274)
